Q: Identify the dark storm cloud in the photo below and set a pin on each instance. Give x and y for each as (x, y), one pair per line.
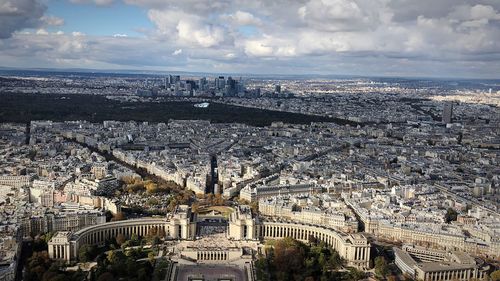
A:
(19, 14)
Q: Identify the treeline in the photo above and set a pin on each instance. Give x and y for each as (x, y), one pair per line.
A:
(290, 259)
(127, 260)
(134, 184)
(22, 108)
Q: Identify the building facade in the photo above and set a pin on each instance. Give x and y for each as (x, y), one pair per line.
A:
(354, 248)
(181, 225)
(436, 265)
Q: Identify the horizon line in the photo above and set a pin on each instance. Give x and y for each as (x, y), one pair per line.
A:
(243, 74)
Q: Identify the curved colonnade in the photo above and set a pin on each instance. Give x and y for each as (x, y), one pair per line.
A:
(354, 248)
(64, 245)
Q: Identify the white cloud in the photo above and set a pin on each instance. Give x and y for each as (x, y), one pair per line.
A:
(258, 48)
(52, 20)
(41, 31)
(196, 32)
(77, 34)
(478, 12)
(177, 52)
(244, 18)
(120, 35)
(188, 29)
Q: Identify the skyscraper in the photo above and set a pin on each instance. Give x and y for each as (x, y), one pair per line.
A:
(222, 82)
(277, 89)
(447, 112)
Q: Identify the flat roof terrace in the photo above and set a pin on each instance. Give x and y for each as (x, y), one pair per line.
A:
(187, 272)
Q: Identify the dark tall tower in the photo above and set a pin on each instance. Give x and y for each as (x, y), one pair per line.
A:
(277, 89)
(447, 112)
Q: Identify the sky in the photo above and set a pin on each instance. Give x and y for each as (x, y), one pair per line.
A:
(424, 38)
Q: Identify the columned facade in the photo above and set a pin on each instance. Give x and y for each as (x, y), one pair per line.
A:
(65, 245)
(243, 225)
(354, 248)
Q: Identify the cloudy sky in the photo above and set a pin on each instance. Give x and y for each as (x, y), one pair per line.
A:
(431, 38)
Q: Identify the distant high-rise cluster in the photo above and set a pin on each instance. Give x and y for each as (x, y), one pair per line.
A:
(220, 86)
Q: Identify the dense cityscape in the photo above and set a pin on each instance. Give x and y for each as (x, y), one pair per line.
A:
(400, 183)
(249, 140)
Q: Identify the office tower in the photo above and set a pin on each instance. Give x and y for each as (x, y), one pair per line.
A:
(190, 86)
(447, 112)
(172, 79)
(222, 82)
(216, 82)
(177, 87)
(201, 83)
(230, 86)
(277, 89)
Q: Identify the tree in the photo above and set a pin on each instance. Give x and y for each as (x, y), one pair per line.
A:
(142, 274)
(261, 268)
(118, 217)
(151, 257)
(58, 277)
(195, 207)
(391, 278)
(40, 244)
(322, 260)
(312, 239)
(106, 276)
(86, 253)
(109, 215)
(255, 207)
(451, 215)
(172, 204)
(288, 257)
(495, 275)
(356, 274)
(380, 266)
(37, 265)
(218, 200)
(134, 240)
(335, 260)
(115, 256)
(120, 239)
(153, 202)
(151, 187)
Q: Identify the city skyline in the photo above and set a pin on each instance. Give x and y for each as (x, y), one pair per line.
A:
(341, 37)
